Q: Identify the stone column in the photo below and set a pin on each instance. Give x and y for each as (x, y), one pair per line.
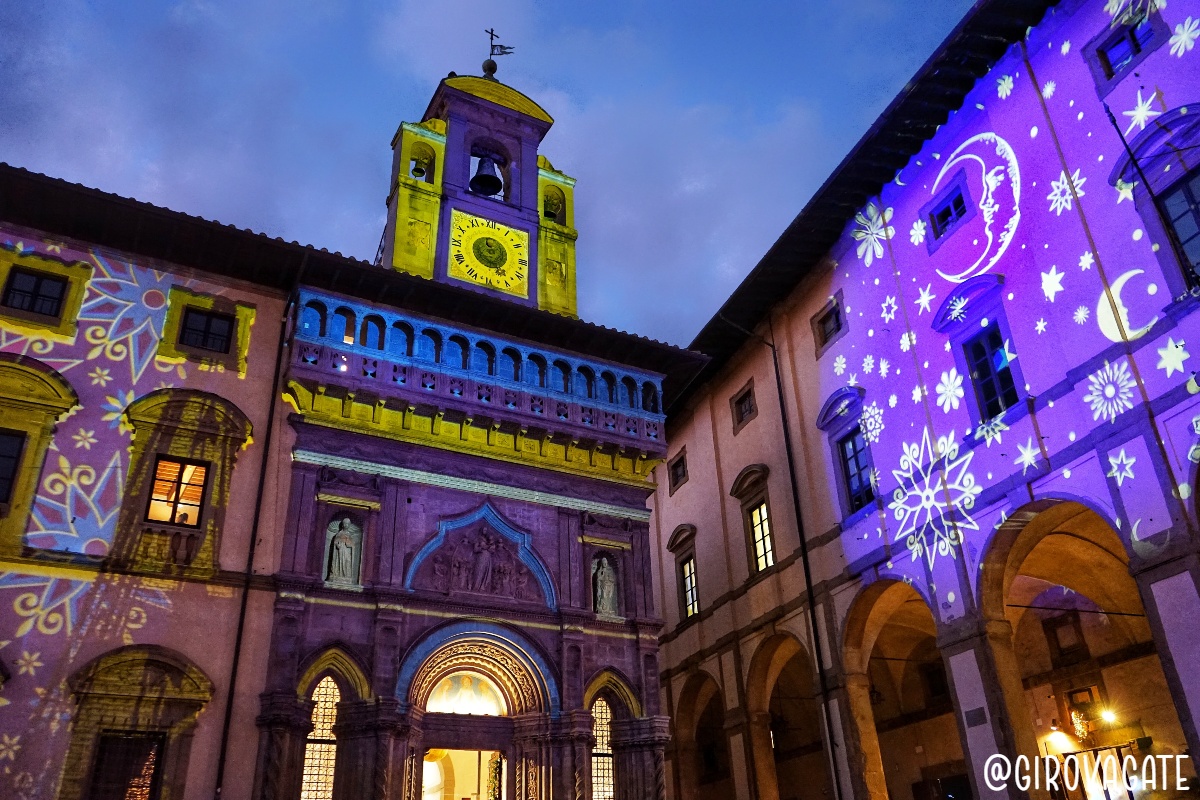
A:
(366, 733)
(532, 755)
(407, 756)
(989, 700)
(639, 763)
(737, 740)
(573, 756)
(1170, 591)
(284, 722)
(758, 729)
(863, 753)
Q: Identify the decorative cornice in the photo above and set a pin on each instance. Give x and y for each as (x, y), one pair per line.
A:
(468, 485)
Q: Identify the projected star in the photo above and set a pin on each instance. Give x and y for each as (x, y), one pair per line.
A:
(1121, 466)
(1142, 113)
(1029, 454)
(1052, 283)
(1124, 191)
(1040, 327)
(1172, 356)
(925, 299)
(1086, 260)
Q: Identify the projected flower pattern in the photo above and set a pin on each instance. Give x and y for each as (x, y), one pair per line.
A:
(933, 498)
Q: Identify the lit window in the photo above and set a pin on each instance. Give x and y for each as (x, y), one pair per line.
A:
(205, 330)
(1182, 207)
(178, 492)
(991, 373)
(691, 598)
(128, 766)
(320, 751)
(11, 445)
(760, 531)
(856, 469)
(947, 212)
(603, 785)
(1118, 53)
(35, 292)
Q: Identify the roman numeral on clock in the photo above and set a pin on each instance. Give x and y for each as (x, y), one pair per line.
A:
(523, 262)
(459, 257)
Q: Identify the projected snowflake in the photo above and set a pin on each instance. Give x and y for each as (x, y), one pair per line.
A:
(871, 423)
(872, 231)
(935, 494)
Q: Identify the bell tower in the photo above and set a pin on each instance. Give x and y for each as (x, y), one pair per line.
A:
(473, 204)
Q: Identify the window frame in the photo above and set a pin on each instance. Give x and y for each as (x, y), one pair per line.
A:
(312, 741)
(823, 342)
(39, 278)
(956, 185)
(1191, 273)
(608, 792)
(993, 376)
(14, 479)
(191, 312)
(171, 347)
(204, 490)
(689, 596)
(752, 540)
(679, 458)
(63, 327)
(839, 416)
(108, 735)
(983, 297)
(735, 401)
(850, 497)
(1106, 78)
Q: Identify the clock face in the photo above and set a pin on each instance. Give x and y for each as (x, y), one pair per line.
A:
(486, 253)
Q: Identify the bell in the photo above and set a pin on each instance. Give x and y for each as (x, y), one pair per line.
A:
(420, 167)
(486, 181)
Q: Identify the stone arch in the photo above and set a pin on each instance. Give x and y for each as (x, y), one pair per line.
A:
(611, 683)
(1025, 529)
(313, 318)
(146, 692)
(702, 758)
(338, 662)
(749, 479)
(517, 667)
(783, 712)
(1057, 593)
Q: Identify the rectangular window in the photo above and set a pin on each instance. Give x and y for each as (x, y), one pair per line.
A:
(687, 578)
(1119, 51)
(743, 406)
(11, 445)
(760, 534)
(856, 470)
(1064, 635)
(35, 292)
(205, 330)
(128, 766)
(1181, 205)
(991, 373)
(677, 473)
(829, 324)
(178, 492)
(946, 213)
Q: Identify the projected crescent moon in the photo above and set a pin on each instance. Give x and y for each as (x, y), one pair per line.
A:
(999, 189)
(1107, 320)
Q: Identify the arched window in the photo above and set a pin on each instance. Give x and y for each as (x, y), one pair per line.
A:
(401, 340)
(371, 334)
(344, 325)
(320, 750)
(510, 364)
(603, 785)
(312, 318)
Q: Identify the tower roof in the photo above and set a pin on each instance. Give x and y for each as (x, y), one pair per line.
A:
(494, 92)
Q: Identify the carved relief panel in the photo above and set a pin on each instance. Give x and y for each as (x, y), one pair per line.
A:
(478, 560)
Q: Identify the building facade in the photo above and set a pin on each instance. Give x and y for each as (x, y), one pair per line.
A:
(282, 524)
(933, 499)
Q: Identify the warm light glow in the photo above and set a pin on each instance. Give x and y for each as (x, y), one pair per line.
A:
(432, 782)
(320, 752)
(603, 780)
(1108, 716)
(467, 693)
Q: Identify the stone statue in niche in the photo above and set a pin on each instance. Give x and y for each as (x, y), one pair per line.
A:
(604, 587)
(479, 561)
(343, 550)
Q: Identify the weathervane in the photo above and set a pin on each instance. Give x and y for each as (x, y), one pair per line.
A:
(489, 66)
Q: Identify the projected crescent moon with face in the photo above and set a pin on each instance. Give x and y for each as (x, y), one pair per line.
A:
(999, 191)
(1108, 320)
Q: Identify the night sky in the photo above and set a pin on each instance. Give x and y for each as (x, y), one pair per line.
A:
(696, 130)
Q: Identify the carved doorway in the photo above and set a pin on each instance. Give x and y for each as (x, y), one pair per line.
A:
(456, 774)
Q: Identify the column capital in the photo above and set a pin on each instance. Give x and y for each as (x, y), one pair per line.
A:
(641, 732)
